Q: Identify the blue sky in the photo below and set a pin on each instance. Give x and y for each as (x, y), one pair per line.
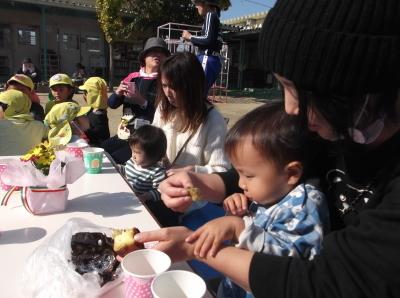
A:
(245, 7)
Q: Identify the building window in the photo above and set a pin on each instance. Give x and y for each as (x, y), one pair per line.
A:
(27, 37)
(4, 37)
(93, 44)
(70, 41)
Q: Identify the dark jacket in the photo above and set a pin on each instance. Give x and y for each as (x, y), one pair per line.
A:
(361, 257)
(147, 88)
(210, 39)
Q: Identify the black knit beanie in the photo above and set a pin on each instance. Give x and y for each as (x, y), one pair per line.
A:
(344, 47)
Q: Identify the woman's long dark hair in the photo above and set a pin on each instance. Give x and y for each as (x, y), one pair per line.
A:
(341, 112)
(186, 77)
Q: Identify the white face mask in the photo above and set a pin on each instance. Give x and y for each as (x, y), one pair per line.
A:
(371, 132)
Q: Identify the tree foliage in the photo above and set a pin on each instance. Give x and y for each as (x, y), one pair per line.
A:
(110, 18)
(225, 4)
(125, 19)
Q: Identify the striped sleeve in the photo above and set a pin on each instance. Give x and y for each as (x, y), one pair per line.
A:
(211, 24)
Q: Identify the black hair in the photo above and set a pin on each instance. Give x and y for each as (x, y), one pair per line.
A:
(151, 140)
(4, 106)
(276, 135)
(341, 111)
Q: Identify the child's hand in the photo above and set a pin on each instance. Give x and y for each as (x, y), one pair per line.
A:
(210, 237)
(236, 204)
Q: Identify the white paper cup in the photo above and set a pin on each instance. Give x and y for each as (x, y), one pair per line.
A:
(178, 284)
(140, 267)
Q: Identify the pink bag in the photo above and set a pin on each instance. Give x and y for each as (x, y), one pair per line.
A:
(41, 200)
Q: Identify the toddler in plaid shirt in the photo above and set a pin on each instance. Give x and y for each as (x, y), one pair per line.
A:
(286, 215)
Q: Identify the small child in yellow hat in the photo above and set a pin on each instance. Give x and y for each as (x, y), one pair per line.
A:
(62, 90)
(25, 84)
(95, 94)
(67, 123)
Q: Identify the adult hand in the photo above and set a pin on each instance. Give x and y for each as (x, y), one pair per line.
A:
(133, 95)
(174, 191)
(122, 89)
(186, 35)
(171, 241)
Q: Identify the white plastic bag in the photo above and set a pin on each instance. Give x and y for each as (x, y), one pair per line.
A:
(48, 272)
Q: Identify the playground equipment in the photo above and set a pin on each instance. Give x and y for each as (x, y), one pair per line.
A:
(172, 32)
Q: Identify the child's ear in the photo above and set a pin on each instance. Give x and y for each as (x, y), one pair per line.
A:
(294, 171)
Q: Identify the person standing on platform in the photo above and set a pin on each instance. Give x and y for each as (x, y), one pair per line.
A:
(210, 40)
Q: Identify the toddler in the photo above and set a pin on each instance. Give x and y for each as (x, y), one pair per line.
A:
(286, 216)
(144, 169)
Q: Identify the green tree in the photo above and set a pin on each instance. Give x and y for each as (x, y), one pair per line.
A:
(111, 22)
(133, 19)
(225, 4)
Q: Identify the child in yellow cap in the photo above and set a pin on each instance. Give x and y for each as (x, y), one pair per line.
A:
(19, 132)
(62, 89)
(95, 94)
(25, 84)
(67, 123)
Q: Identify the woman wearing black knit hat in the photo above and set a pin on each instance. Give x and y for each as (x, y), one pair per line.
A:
(339, 65)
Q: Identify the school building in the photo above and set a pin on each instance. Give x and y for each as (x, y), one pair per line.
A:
(56, 35)
(241, 35)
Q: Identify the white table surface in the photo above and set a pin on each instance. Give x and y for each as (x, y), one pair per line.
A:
(104, 199)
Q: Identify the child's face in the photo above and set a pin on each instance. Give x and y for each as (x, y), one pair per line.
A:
(139, 156)
(83, 122)
(61, 92)
(170, 93)
(261, 180)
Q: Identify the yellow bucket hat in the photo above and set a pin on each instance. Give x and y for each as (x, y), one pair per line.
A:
(23, 80)
(18, 103)
(60, 79)
(96, 89)
(58, 121)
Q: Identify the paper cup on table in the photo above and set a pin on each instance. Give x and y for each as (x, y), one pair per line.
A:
(140, 267)
(178, 284)
(93, 158)
(76, 149)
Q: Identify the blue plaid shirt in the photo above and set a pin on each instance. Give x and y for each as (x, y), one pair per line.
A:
(292, 227)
